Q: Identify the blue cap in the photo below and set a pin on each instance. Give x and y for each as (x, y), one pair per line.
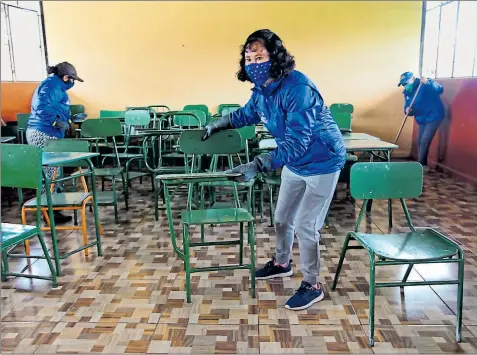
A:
(405, 77)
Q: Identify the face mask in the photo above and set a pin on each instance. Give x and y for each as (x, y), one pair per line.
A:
(68, 84)
(409, 87)
(258, 72)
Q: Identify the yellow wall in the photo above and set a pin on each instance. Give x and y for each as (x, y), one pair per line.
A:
(177, 53)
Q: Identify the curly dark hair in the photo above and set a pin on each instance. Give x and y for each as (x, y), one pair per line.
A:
(282, 61)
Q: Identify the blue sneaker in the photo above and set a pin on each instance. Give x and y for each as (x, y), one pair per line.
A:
(305, 297)
(271, 271)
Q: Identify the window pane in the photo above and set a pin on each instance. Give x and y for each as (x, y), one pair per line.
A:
(445, 54)
(466, 39)
(6, 63)
(430, 43)
(27, 50)
(32, 5)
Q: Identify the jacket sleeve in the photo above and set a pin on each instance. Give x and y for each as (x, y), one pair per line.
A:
(407, 102)
(302, 103)
(436, 86)
(47, 96)
(245, 116)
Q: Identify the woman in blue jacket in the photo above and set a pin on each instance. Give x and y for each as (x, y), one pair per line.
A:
(427, 109)
(310, 149)
(50, 112)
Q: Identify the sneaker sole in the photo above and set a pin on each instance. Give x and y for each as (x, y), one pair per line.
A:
(316, 300)
(276, 276)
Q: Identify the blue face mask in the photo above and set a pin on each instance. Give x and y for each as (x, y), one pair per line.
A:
(258, 72)
(68, 84)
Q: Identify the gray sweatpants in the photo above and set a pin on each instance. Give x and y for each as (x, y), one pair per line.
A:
(302, 205)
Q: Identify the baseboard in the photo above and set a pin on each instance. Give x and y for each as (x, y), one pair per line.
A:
(468, 178)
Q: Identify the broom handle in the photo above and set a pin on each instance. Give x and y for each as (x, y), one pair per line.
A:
(407, 114)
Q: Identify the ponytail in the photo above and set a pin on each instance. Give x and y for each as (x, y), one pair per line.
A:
(52, 70)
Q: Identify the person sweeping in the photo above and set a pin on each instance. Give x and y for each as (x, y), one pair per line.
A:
(310, 149)
(427, 109)
(50, 113)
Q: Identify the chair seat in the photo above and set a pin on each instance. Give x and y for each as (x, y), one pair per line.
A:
(420, 245)
(16, 233)
(173, 155)
(104, 198)
(124, 155)
(216, 216)
(228, 183)
(102, 171)
(62, 199)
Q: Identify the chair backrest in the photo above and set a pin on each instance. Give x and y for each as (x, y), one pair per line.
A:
(75, 109)
(137, 117)
(228, 107)
(247, 132)
(202, 108)
(386, 180)
(224, 142)
(21, 166)
(22, 120)
(189, 119)
(112, 113)
(68, 145)
(343, 120)
(341, 108)
(159, 108)
(101, 127)
(227, 110)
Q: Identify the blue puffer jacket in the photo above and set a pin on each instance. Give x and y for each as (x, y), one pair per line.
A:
(50, 103)
(428, 105)
(309, 141)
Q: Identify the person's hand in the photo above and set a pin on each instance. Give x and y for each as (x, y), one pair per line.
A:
(261, 164)
(408, 110)
(423, 80)
(216, 126)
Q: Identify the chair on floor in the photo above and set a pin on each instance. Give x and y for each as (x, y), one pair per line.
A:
(66, 201)
(28, 175)
(225, 142)
(399, 180)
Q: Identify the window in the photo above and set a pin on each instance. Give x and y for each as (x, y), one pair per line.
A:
(23, 52)
(450, 39)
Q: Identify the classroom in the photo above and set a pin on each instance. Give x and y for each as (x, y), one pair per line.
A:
(224, 177)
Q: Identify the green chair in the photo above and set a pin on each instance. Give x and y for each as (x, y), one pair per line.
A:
(104, 198)
(75, 109)
(225, 142)
(108, 128)
(132, 119)
(228, 107)
(201, 107)
(22, 120)
(342, 114)
(112, 114)
(27, 175)
(399, 180)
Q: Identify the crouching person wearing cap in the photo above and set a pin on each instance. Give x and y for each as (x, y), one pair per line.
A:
(50, 113)
(427, 109)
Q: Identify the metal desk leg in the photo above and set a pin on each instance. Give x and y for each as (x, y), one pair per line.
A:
(390, 205)
(56, 253)
(95, 207)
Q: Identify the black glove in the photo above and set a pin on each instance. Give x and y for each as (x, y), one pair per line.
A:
(261, 164)
(62, 125)
(216, 126)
